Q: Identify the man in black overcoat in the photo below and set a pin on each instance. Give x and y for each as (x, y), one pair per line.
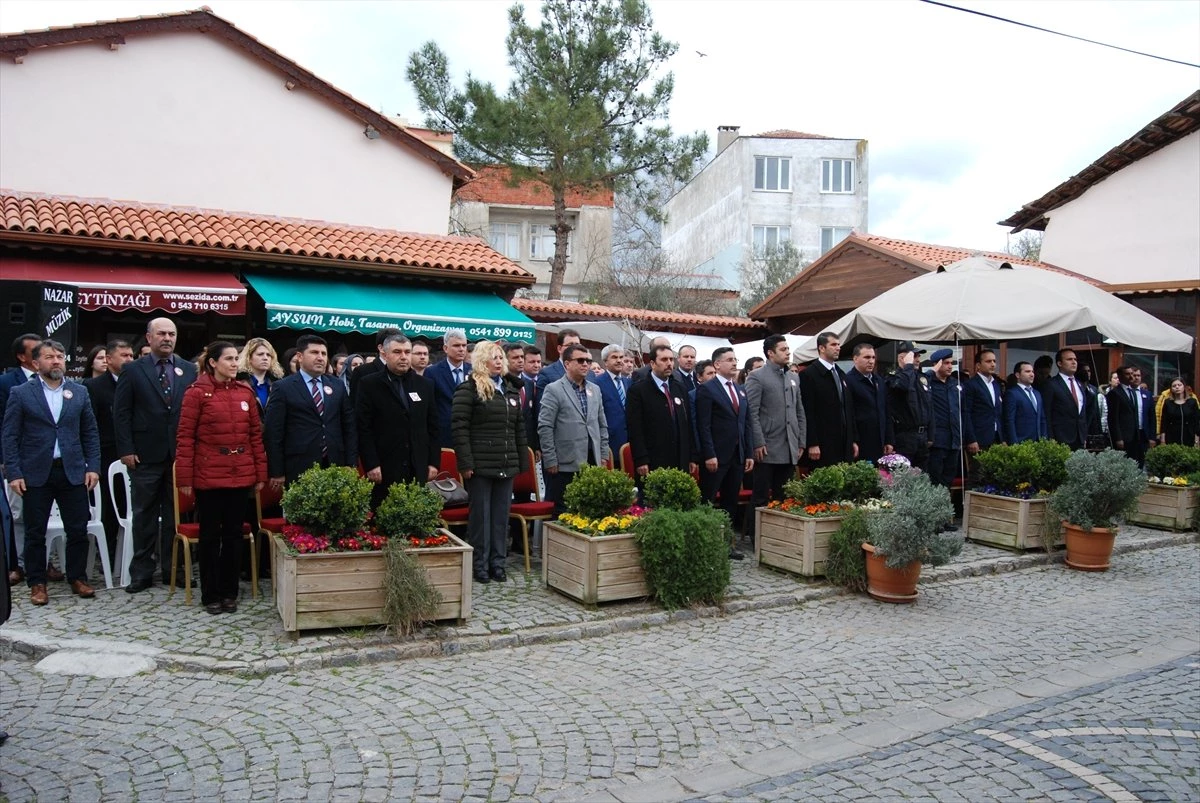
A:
(656, 413)
(828, 407)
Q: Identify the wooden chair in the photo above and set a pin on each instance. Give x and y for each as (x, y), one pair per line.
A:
(525, 512)
(188, 534)
(627, 461)
(452, 516)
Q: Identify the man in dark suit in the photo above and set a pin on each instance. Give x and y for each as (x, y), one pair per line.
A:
(446, 375)
(645, 371)
(308, 418)
(375, 366)
(1126, 416)
(145, 420)
(686, 372)
(869, 400)
(531, 366)
(1024, 410)
(946, 435)
(983, 400)
(614, 389)
(724, 435)
(828, 407)
(24, 370)
(52, 455)
(656, 413)
(1071, 408)
(102, 390)
(397, 423)
(555, 370)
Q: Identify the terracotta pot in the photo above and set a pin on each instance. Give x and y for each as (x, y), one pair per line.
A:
(891, 585)
(1089, 550)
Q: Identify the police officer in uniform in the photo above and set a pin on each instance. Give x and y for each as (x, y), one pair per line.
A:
(911, 405)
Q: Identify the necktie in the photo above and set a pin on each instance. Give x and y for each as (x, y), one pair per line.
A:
(1032, 400)
(837, 380)
(164, 377)
(316, 394)
(620, 390)
(667, 392)
(458, 376)
(1074, 391)
(732, 396)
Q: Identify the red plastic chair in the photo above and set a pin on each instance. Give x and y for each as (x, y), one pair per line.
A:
(188, 533)
(268, 498)
(627, 461)
(525, 484)
(452, 516)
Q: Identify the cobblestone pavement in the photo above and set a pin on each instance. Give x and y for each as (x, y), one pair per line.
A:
(980, 689)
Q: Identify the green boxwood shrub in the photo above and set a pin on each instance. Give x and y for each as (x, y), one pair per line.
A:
(1007, 466)
(861, 481)
(685, 554)
(671, 488)
(1173, 460)
(330, 501)
(1052, 463)
(846, 564)
(596, 492)
(825, 484)
(409, 508)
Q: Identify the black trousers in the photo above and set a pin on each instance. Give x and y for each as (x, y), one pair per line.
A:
(769, 479)
(153, 520)
(915, 446)
(726, 481)
(220, 512)
(73, 507)
(487, 522)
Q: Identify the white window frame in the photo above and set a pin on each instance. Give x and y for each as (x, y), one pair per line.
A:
(543, 233)
(837, 176)
(830, 237)
(775, 170)
(761, 237)
(511, 244)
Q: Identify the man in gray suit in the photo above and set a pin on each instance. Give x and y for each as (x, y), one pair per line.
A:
(777, 422)
(572, 428)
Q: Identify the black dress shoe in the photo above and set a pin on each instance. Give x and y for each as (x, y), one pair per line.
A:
(736, 554)
(136, 586)
(482, 577)
(213, 607)
(499, 576)
(229, 605)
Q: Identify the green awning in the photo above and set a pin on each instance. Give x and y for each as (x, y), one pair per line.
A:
(329, 305)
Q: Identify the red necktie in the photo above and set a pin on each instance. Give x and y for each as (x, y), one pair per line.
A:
(732, 396)
(667, 392)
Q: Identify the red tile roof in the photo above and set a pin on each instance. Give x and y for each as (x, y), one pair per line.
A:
(787, 133)
(113, 32)
(575, 311)
(1180, 121)
(104, 223)
(492, 185)
(934, 256)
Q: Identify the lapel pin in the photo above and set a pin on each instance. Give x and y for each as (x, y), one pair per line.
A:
(178, 371)
(68, 394)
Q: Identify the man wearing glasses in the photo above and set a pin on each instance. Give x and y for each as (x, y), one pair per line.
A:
(572, 429)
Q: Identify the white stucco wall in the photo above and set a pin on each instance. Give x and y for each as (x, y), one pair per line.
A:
(710, 222)
(1141, 224)
(186, 119)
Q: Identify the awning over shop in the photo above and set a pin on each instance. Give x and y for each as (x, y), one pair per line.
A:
(142, 289)
(337, 306)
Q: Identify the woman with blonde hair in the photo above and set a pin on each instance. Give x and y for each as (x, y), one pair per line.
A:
(488, 428)
(259, 367)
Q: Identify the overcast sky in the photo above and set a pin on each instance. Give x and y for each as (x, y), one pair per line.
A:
(967, 118)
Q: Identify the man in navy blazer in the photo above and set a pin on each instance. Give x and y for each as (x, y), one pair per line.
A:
(1071, 408)
(446, 375)
(309, 420)
(25, 370)
(145, 421)
(724, 435)
(52, 455)
(983, 400)
(1127, 410)
(1024, 410)
(614, 389)
(876, 434)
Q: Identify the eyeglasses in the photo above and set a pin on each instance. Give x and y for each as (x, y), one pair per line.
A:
(582, 360)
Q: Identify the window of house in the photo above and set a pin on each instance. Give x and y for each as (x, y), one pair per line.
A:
(837, 175)
(773, 173)
(766, 237)
(506, 238)
(541, 242)
(832, 235)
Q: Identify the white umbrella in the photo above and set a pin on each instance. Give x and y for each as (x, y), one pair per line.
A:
(983, 299)
(804, 348)
(621, 332)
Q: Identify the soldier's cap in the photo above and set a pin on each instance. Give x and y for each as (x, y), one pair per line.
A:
(940, 355)
(907, 345)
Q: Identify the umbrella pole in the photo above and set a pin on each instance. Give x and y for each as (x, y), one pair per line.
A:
(962, 446)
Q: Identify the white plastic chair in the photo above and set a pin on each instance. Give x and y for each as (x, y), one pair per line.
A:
(56, 533)
(118, 473)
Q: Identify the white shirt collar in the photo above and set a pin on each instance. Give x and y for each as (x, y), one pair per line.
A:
(826, 363)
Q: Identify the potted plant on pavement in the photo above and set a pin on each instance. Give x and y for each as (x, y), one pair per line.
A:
(793, 533)
(1100, 490)
(590, 553)
(907, 533)
(1007, 508)
(1171, 500)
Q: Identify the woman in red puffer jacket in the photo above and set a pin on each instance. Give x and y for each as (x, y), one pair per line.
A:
(219, 456)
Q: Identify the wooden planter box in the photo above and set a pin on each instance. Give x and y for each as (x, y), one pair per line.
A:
(796, 544)
(591, 569)
(1005, 522)
(345, 589)
(1167, 507)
